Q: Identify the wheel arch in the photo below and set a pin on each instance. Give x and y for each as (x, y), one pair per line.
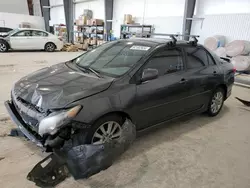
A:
(50, 42)
(123, 114)
(224, 87)
(6, 42)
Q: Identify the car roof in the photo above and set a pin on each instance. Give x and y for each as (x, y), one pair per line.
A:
(34, 29)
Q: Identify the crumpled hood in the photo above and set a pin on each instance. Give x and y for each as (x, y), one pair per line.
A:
(57, 86)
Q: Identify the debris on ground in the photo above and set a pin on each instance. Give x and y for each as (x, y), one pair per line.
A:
(49, 172)
(16, 132)
(1, 158)
(81, 160)
(8, 65)
(4, 119)
(247, 103)
(68, 47)
(3, 135)
(41, 62)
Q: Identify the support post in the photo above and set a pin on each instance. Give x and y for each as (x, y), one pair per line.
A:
(108, 8)
(45, 13)
(188, 13)
(69, 10)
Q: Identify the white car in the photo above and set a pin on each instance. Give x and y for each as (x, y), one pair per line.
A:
(30, 39)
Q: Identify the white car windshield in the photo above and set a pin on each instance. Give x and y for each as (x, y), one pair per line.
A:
(113, 58)
(12, 31)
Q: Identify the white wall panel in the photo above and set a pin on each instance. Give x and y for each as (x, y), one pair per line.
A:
(57, 15)
(164, 8)
(55, 2)
(233, 26)
(165, 15)
(97, 6)
(37, 8)
(211, 7)
(13, 20)
(14, 6)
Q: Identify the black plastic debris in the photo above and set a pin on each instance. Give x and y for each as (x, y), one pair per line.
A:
(247, 103)
(82, 161)
(16, 132)
(49, 172)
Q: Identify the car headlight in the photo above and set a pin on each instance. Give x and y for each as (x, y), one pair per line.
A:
(53, 122)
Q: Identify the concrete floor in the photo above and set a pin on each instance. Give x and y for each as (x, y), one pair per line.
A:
(196, 151)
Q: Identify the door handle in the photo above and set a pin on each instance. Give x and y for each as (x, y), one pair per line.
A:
(183, 80)
(215, 73)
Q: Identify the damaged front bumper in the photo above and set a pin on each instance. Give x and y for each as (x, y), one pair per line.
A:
(81, 161)
(47, 142)
(16, 118)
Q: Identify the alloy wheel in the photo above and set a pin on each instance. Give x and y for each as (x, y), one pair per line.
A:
(3, 47)
(107, 132)
(50, 47)
(217, 102)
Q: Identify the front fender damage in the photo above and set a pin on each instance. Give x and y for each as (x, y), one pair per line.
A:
(81, 161)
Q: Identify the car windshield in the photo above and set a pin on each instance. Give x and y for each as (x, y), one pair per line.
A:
(113, 58)
(12, 31)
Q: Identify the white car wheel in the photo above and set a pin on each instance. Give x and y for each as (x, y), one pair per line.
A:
(50, 47)
(3, 47)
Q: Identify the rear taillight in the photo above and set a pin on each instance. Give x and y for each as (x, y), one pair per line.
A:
(234, 70)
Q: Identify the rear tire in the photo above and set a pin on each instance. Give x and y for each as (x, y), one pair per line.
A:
(3, 46)
(50, 47)
(216, 102)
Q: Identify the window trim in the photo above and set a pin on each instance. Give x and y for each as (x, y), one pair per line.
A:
(209, 54)
(197, 47)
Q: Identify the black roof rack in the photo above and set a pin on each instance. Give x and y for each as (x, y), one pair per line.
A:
(174, 39)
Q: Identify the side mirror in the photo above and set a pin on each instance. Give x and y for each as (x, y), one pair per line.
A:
(149, 74)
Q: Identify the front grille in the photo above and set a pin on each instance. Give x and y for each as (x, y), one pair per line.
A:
(28, 114)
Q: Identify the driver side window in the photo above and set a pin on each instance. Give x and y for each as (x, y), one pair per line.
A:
(166, 61)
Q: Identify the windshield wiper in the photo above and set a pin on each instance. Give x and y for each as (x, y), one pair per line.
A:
(89, 69)
(94, 71)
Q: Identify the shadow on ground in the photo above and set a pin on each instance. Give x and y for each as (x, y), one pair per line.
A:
(136, 157)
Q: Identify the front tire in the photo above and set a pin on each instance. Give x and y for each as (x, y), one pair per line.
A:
(3, 46)
(50, 47)
(216, 102)
(105, 129)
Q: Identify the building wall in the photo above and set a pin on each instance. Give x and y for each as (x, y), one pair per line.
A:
(226, 17)
(165, 15)
(12, 20)
(37, 8)
(230, 18)
(212, 7)
(14, 6)
(13, 12)
(97, 6)
(58, 16)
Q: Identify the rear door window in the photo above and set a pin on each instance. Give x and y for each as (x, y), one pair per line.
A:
(196, 57)
(39, 34)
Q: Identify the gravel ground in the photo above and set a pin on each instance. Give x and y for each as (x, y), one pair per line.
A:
(195, 152)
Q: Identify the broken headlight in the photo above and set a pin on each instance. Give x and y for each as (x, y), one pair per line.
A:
(54, 121)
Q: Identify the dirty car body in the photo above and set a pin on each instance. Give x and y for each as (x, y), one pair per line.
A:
(145, 80)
